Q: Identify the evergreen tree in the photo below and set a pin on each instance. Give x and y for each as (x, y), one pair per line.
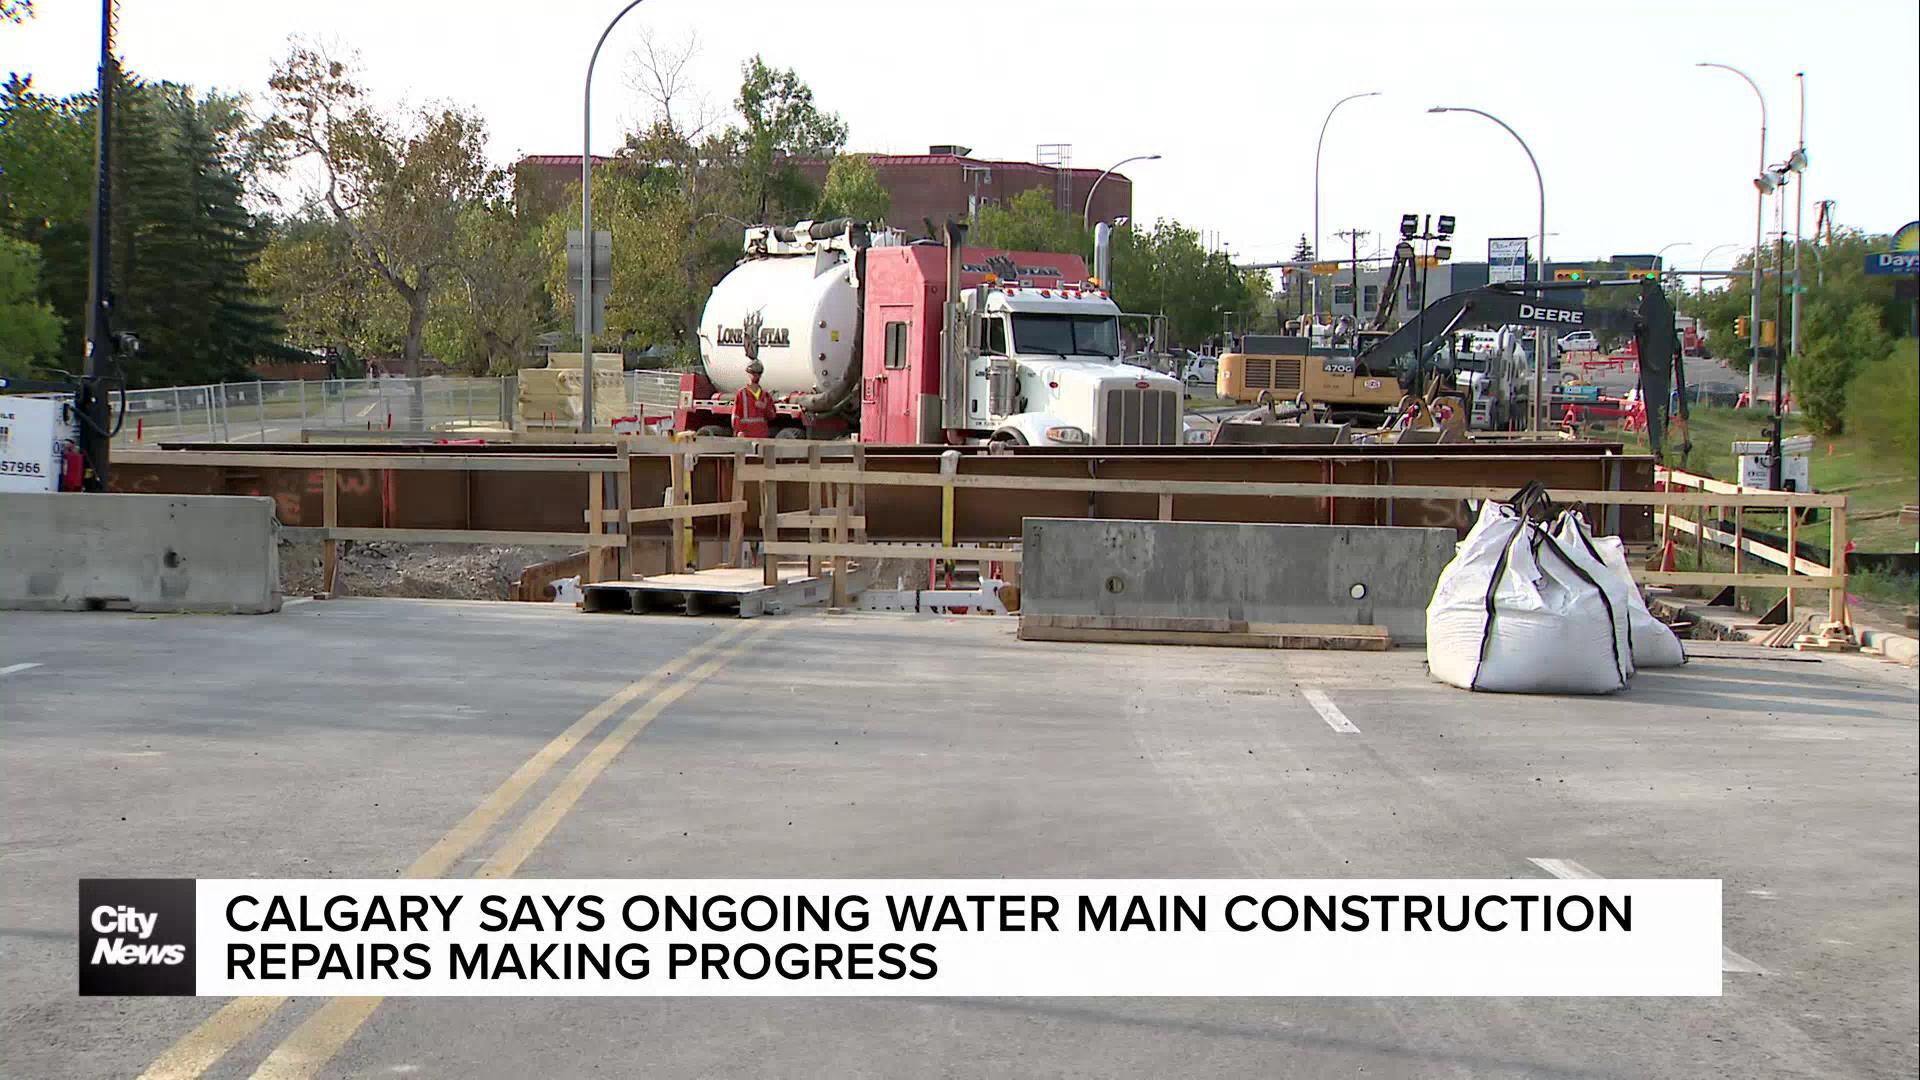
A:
(183, 240)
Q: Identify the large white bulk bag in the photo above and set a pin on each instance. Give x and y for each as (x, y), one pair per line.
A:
(1575, 540)
(1513, 613)
(1655, 645)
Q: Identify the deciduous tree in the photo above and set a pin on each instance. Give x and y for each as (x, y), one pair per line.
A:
(399, 186)
(853, 190)
(29, 332)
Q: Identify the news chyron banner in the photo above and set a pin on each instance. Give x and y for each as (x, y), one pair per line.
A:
(948, 938)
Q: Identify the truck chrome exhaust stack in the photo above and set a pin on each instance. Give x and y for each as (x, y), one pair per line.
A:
(953, 339)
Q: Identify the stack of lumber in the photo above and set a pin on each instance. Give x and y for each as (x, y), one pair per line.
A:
(1787, 633)
(1830, 637)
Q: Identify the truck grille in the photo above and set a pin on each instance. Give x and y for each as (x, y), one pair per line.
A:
(1273, 373)
(1141, 418)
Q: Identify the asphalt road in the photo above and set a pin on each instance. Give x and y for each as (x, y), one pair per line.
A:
(346, 738)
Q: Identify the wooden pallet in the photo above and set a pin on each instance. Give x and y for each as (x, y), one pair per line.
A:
(1228, 633)
(725, 591)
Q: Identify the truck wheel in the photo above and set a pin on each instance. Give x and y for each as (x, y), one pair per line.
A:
(1009, 437)
(790, 433)
(713, 429)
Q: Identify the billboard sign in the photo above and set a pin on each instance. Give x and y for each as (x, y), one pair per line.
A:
(1506, 259)
(1902, 255)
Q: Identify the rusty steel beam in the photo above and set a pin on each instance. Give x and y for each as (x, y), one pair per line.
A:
(463, 498)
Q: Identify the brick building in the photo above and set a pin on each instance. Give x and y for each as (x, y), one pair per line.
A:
(541, 182)
(945, 182)
(948, 182)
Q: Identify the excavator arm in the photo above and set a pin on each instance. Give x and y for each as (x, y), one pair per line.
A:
(1650, 321)
(1390, 292)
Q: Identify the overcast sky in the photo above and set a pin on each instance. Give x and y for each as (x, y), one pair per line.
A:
(1639, 148)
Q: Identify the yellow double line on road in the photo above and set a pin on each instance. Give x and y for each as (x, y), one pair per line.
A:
(315, 1041)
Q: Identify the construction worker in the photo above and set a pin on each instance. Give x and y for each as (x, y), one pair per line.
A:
(753, 406)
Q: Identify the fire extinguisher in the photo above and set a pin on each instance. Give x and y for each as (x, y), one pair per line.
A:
(72, 468)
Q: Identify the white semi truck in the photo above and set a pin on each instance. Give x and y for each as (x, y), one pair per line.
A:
(859, 330)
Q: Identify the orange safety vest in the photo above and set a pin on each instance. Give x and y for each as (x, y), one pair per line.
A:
(752, 412)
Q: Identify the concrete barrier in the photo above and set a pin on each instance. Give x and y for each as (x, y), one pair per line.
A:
(1367, 575)
(79, 552)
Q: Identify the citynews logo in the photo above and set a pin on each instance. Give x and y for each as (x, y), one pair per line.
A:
(136, 936)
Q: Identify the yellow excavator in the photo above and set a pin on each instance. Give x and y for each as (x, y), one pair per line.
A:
(1326, 375)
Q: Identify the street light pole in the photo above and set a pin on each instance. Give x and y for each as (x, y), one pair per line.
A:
(1541, 342)
(1316, 186)
(585, 313)
(1086, 216)
(1798, 163)
(1660, 257)
(1759, 227)
(1707, 258)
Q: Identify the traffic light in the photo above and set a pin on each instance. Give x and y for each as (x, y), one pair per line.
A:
(1569, 275)
(1766, 332)
(1643, 275)
(1740, 326)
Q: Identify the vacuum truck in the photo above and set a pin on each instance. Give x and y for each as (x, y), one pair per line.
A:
(858, 330)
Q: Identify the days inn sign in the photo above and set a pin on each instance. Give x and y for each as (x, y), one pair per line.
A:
(1902, 256)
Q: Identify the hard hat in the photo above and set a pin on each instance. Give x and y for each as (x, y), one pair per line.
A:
(755, 367)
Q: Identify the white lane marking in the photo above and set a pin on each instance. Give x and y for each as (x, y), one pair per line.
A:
(1328, 711)
(1568, 870)
(11, 668)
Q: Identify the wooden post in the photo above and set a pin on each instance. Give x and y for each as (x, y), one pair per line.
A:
(1166, 508)
(1837, 598)
(769, 522)
(1793, 553)
(330, 517)
(596, 499)
(842, 515)
(622, 487)
(676, 483)
(860, 491)
(1739, 541)
(1701, 515)
(813, 508)
(737, 521)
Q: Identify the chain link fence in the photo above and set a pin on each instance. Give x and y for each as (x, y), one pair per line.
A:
(288, 411)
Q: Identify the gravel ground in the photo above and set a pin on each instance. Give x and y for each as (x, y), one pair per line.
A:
(434, 571)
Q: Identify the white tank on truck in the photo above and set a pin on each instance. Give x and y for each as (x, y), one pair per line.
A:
(803, 315)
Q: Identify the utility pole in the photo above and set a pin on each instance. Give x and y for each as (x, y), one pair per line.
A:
(95, 415)
(1353, 255)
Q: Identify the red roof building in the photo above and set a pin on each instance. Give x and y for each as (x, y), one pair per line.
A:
(946, 182)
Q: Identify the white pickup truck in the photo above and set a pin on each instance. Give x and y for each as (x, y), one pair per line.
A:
(1580, 341)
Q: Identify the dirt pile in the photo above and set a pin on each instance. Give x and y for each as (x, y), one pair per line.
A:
(434, 571)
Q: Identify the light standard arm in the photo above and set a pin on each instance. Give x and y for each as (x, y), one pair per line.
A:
(1759, 224)
(1318, 143)
(1660, 257)
(1707, 258)
(1540, 340)
(586, 226)
(1086, 216)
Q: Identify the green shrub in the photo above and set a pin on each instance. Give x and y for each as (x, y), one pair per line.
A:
(1836, 350)
(1883, 403)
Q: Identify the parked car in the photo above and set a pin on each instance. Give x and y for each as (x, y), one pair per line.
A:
(1202, 371)
(1580, 341)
